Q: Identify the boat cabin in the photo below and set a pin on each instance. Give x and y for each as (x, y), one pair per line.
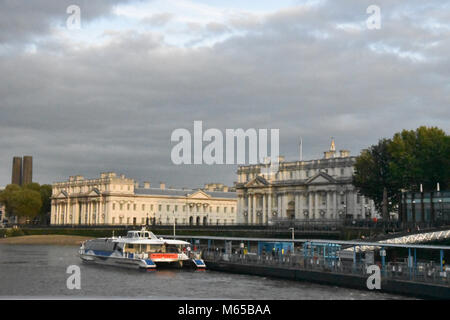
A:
(141, 235)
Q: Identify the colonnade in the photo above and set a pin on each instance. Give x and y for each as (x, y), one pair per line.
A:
(259, 207)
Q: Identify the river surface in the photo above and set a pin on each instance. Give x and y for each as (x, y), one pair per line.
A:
(39, 271)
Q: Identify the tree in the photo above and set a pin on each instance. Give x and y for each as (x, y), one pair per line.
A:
(46, 193)
(24, 202)
(409, 159)
(373, 177)
(421, 157)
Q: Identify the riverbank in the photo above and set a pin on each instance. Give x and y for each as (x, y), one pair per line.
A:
(62, 240)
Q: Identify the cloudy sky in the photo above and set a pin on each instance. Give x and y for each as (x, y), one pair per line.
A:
(108, 96)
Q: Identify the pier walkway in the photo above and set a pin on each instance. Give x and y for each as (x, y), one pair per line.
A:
(333, 262)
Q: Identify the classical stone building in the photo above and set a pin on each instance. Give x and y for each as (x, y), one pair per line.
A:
(319, 189)
(117, 200)
(2, 211)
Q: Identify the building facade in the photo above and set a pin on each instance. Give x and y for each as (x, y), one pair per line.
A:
(302, 190)
(117, 200)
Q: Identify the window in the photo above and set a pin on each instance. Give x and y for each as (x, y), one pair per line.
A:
(176, 208)
(217, 209)
(159, 207)
(342, 171)
(143, 207)
(232, 209)
(114, 207)
(184, 208)
(134, 207)
(121, 206)
(225, 209)
(113, 220)
(151, 207)
(168, 207)
(128, 206)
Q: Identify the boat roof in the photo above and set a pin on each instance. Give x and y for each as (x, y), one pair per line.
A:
(149, 241)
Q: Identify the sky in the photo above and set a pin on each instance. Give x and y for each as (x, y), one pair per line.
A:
(107, 96)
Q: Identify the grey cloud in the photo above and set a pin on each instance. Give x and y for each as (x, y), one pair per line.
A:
(158, 19)
(21, 20)
(114, 107)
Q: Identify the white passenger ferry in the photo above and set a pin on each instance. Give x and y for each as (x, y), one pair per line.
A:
(139, 249)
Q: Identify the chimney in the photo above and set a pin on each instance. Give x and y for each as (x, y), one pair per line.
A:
(225, 189)
(136, 185)
(146, 185)
(162, 185)
(344, 153)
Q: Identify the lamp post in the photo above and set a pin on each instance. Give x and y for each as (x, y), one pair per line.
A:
(292, 232)
(174, 223)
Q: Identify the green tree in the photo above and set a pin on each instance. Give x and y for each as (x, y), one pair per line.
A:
(6, 197)
(421, 157)
(26, 204)
(372, 176)
(409, 159)
(46, 193)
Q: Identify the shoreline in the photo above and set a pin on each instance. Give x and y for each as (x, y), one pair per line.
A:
(51, 239)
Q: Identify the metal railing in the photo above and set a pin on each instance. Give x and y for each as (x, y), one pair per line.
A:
(426, 272)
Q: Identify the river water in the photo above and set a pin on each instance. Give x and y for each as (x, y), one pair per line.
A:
(39, 271)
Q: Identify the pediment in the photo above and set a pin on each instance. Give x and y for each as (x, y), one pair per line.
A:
(94, 192)
(321, 178)
(199, 194)
(257, 182)
(62, 195)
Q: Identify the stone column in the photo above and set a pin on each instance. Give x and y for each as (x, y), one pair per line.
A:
(269, 206)
(300, 205)
(264, 214)
(295, 205)
(328, 209)
(334, 207)
(310, 204)
(254, 209)
(316, 205)
(249, 206)
(279, 205)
